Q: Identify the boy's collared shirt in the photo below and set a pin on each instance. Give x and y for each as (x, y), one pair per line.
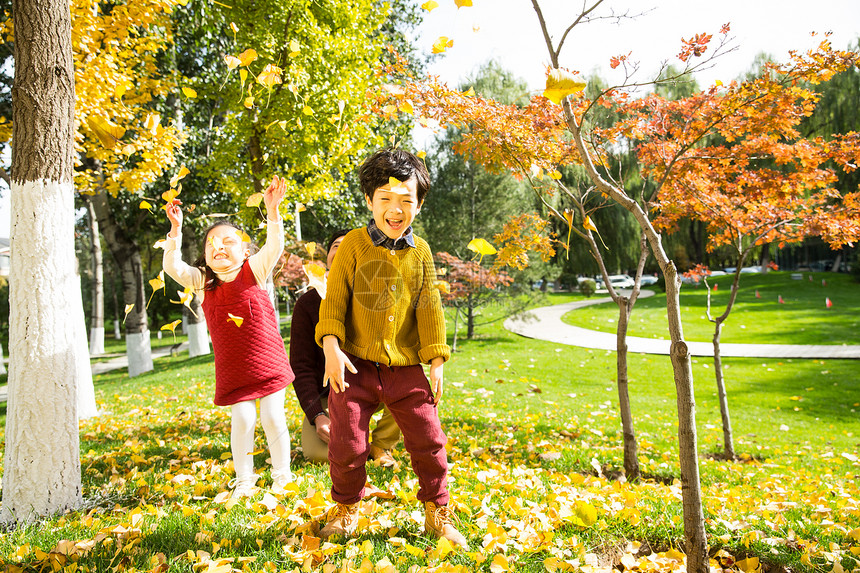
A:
(380, 239)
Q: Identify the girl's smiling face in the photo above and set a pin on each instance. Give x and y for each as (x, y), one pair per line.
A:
(224, 249)
(394, 209)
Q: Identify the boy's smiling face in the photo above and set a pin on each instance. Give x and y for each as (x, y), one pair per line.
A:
(394, 208)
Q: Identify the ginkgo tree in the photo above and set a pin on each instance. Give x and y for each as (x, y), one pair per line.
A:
(289, 98)
(543, 136)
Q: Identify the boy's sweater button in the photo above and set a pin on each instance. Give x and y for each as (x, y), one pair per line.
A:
(391, 319)
(392, 252)
(393, 287)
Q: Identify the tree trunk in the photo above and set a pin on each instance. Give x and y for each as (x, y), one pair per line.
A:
(97, 318)
(631, 447)
(42, 471)
(117, 320)
(195, 326)
(764, 260)
(470, 318)
(126, 254)
(728, 441)
(456, 319)
(696, 544)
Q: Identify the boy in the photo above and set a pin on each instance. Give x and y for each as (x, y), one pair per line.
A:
(383, 309)
(308, 363)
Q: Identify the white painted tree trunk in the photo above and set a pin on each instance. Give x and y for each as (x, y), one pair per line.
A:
(139, 352)
(42, 471)
(2, 363)
(42, 468)
(198, 338)
(97, 316)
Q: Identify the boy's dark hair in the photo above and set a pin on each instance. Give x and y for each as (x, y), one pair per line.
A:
(211, 280)
(385, 163)
(334, 237)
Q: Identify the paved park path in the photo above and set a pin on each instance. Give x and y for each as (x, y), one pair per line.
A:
(545, 323)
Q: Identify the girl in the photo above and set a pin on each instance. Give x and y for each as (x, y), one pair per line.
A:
(250, 359)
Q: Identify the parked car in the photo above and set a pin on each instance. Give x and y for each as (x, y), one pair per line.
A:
(648, 280)
(621, 281)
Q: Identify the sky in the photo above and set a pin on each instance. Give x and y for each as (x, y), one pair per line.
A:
(508, 31)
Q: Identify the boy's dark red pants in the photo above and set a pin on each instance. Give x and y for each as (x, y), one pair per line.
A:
(406, 392)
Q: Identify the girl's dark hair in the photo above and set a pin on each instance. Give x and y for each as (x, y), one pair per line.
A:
(385, 163)
(210, 279)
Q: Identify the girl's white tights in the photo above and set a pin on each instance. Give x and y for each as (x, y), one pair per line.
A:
(244, 421)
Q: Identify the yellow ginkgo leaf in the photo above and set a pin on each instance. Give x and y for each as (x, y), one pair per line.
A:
(316, 277)
(107, 132)
(443, 286)
(246, 238)
(588, 224)
(183, 171)
(395, 183)
(270, 76)
(169, 196)
(470, 92)
(295, 47)
(254, 200)
(407, 107)
(234, 27)
(232, 62)
(500, 564)
(481, 246)
(463, 3)
(185, 298)
(421, 154)
(156, 283)
(172, 327)
(237, 320)
(568, 216)
(430, 5)
(189, 93)
(243, 75)
(249, 102)
(311, 248)
(128, 309)
(247, 56)
(146, 205)
(121, 88)
(560, 84)
(442, 44)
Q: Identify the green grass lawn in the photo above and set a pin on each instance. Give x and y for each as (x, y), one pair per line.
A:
(534, 451)
(802, 319)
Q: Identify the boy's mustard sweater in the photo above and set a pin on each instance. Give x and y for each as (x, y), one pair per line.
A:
(383, 305)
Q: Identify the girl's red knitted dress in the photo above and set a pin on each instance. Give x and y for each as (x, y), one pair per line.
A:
(250, 360)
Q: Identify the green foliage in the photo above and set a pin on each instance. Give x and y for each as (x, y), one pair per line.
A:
(587, 287)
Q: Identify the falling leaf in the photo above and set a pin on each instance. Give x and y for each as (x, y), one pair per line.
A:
(172, 327)
(254, 200)
(316, 277)
(247, 56)
(430, 5)
(232, 62)
(249, 102)
(183, 171)
(107, 132)
(185, 298)
(442, 44)
(237, 320)
(470, 92)
(169, 197)
(311, 248)
(189, 92)
(395, 183)
(294, 48)
(128, 309)
(146, 205)
(482, 247)
(246, 238)
(270, 76)
(121, 88)
(234, 27)
(421, 154)
(443, 286)
(560, 84)
(308, 110)
(156, 283)
(463, 3)
(407, 107)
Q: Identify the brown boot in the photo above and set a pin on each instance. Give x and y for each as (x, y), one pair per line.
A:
(437, 521)
(382, 457)
(341, 520)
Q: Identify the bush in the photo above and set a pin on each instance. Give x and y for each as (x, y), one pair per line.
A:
(587, 287)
